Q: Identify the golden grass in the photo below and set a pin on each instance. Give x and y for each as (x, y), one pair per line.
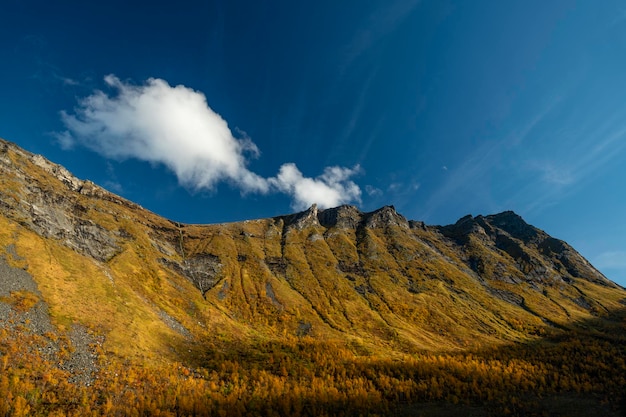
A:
(400, 290)
(21, 300)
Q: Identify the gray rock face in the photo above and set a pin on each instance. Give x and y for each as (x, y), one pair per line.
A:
(48, 210)
(514, 225)
(507, 232)
(58, 171)
(385, 216)
(299, 221)
(342, 217)
(203, 270)
(345, 217)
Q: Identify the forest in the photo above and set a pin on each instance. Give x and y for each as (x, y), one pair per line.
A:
(303, 377)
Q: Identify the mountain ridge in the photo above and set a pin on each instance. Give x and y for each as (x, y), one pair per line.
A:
(506, 233)
(370, 284)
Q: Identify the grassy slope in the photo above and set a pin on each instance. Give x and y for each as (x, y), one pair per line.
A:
(410, 289)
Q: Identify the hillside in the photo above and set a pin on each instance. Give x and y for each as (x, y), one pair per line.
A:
(320, 312)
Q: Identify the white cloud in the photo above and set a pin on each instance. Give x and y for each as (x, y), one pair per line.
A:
(174, 126)
(170, 125)
(330, 189)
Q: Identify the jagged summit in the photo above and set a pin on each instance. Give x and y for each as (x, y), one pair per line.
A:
(342, 217)
(385, 216)
(345, 217)
(513, 224)
(507, 221)
(307, 218)
(331, 267)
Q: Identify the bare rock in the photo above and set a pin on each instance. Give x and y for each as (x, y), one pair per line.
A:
(343, 217)
(203, 270)
(385, 217)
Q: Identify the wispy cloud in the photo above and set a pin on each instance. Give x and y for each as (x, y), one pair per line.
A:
(402, 188)
(112, 183)
(354, 120)
(373, 191)
(116, 187)
(597, 146)
(468, 175)
(174, 126)
(67, 80)
(518, 136)
(611, 260)
(382, 22)
(551, 173)
(537, 165)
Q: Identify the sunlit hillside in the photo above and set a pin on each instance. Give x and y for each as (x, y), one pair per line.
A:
(109, 309)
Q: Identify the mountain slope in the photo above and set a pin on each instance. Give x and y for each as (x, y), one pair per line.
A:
(154, 291)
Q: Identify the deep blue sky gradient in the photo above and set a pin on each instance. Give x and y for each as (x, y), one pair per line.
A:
(449, 107)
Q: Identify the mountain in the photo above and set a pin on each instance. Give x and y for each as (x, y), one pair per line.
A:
(330, 311)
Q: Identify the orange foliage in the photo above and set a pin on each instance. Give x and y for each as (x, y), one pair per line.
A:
(305, 377)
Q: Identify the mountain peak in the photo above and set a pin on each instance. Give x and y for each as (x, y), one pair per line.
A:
(385, 216)
(303, 219)
(345, 217)
(342, 217)
(513, 224)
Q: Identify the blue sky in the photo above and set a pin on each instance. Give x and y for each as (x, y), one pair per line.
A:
(220, 111)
